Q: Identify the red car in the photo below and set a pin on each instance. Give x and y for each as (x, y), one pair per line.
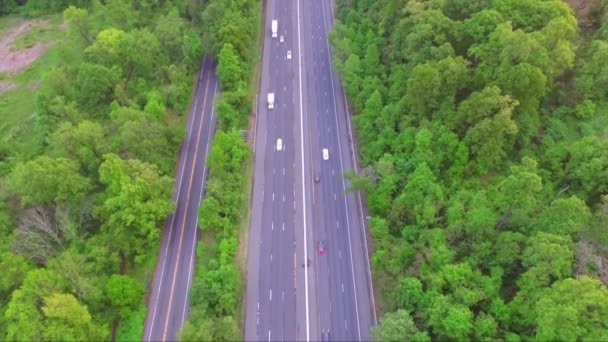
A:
(321, 248)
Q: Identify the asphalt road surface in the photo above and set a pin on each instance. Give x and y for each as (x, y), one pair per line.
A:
(168, 302)
(295, 292)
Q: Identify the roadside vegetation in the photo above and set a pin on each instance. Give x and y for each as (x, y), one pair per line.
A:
(217, 287)
(483, 133)
(89, 134)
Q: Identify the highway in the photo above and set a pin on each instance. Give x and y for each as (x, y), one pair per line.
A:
(168, 301)
(275, 310)
(295, 292)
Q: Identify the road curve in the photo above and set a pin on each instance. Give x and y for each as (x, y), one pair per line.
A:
(168, 300)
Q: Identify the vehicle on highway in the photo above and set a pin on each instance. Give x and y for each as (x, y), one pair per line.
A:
(279, 144)
(317, 177)
(288, 54)
(325, 335)
(325, 154)
(281, 39)
(270, 100)
(321, 247)
(274, 27)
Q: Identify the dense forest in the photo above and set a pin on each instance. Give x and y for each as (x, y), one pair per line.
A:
(86, 185)
(483, 135)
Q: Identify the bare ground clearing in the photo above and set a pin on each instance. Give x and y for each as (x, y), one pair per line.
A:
(13, 61)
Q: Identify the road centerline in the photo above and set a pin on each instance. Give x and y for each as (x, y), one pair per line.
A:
(181, 238)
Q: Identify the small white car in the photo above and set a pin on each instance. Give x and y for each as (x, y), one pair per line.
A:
(288, 54)
(325, 154)
(279, 144)
(281, 39)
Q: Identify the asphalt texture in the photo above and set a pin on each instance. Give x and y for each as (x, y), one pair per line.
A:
(291, 215)
(168, 301)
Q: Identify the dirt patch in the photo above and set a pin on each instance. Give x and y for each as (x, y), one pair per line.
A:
(6, 86)
(587, 11)
(13, 61)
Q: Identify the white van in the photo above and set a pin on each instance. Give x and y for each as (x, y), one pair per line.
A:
(270, 100)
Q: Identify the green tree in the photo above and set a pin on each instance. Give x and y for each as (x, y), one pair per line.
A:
(565, 216)
(155, 104)
(95, 88)
(85, 142)
(25, 321)
(15, 268)
(46, 180)
(229, 68)
(587, 167)
(135, 203)
(592, 75)
(423, 196)
(125, 293)
(573, 309)
(68, 319)
(408, 293)
(170, 30)
(78, 19)
(397, 326)
(516, 196)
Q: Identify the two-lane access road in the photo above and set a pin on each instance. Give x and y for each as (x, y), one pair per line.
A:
(168, 301)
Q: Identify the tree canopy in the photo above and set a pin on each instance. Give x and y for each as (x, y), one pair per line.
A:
(482, 132)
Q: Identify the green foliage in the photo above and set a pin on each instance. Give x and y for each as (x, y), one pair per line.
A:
(46, 180)
(215, 293)
(481, 129)
(131, 327)
(229, 68)
(125, 293)
(117, 83)
(67, 319)
(136, 201)
(398, 326)
(573, 309)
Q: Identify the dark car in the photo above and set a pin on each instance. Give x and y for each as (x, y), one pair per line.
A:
(317, 177)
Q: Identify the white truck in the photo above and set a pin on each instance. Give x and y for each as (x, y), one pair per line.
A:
(275, 28)
(270, 100)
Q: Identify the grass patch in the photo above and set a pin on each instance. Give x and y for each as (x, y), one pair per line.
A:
(37, 34)
(18, 109)
(243, 248)
(7, 22)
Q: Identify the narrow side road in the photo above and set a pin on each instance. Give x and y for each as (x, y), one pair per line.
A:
(168, 301)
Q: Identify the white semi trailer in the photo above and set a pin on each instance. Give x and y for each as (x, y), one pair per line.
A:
(275, 28)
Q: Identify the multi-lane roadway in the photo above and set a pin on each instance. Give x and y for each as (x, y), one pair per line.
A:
(168, 301)
(308, 267)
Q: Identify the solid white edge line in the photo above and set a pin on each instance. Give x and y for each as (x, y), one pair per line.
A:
(179, 187)
(303, 179)
(352, 144)
(369, 270)
(331, 74)
(200, 196)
